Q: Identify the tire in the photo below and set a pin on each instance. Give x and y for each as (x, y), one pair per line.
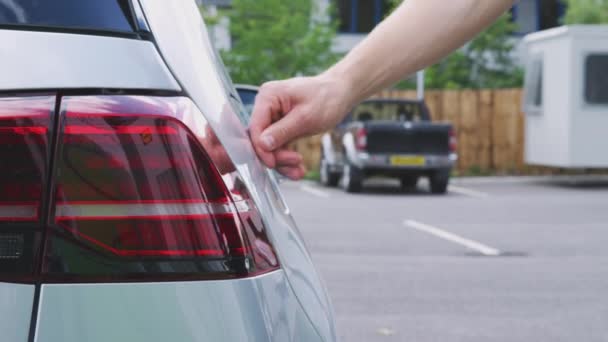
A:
(352, 179)
(439, 181)
(409, 182)
(328, 178)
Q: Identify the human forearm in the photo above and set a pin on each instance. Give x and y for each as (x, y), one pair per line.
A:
(416, 35)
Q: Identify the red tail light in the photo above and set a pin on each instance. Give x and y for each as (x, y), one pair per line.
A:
(361, 139)
(25, 127)
(136, 187)
(135, 194)
(453, 141)
(24, 142)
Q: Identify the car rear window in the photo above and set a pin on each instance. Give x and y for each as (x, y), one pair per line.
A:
(248, 98)
(107, 15)
(390, 110)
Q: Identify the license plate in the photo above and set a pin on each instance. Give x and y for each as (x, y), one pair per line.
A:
(408, 161)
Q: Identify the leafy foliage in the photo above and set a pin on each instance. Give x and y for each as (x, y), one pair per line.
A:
(277, 39)
(491, 56)
(485, 62)
(586, 12)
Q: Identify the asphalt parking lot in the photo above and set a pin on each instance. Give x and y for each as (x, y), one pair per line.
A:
(493, 260)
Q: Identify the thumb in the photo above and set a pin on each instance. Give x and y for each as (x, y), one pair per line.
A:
(285, 130)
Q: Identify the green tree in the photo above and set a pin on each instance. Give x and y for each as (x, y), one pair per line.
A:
(485, 62)
(277, 39)
(586, 12)
(491, 55)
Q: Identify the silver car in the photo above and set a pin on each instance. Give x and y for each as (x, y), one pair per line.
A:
(132, 205)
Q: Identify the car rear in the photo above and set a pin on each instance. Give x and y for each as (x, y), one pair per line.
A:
(126, 211)
(404, 150)
(399, 134)
(415, 145)
(392, 138)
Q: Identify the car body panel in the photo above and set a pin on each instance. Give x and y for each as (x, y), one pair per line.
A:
(381, 162)
(287, 305)
(16, 302)
(80, 61)
(256, 309)
(184, 43)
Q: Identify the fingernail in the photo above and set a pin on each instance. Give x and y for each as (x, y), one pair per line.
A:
(267, 142)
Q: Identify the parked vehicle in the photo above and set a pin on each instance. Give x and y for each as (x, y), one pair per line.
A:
(392, 138)
(132, 204)
(247, 93)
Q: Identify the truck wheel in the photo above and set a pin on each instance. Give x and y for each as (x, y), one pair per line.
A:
(409, 182)
(327, 177)
(439, 182)
(352, 179)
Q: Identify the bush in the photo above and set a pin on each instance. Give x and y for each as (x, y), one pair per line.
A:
(485, 62)
(277, 39)
(586, 12)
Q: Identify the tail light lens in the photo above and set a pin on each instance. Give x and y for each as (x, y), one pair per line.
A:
(453, 141)
(135, 194)
(137, 191)
(25, 126)
(361, 139)
(24, 143)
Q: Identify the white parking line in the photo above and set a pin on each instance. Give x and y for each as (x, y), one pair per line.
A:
(440, 233)
(314, 191)
(467, 192)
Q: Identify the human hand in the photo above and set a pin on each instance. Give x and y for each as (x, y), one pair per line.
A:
(293, 108)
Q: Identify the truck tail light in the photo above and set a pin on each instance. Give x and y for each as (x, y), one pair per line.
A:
(453, 141)
(361, 139)
(25, 130)
(134, 195)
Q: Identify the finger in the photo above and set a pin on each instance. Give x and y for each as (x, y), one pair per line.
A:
(288, 128)
(261, 117)
(288, 158)
(293, 173)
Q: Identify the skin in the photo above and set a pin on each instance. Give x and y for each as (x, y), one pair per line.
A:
(417, 34)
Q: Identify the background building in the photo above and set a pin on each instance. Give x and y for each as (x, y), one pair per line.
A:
(358, 17)
(220, 33)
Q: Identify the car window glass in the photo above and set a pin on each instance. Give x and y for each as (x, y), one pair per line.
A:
(391, 111)
(596, 79)
(114, 15)
(248, 99)
(235, 100)
(534, 84)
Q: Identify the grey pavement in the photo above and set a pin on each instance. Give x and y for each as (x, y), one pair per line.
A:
(390, 281)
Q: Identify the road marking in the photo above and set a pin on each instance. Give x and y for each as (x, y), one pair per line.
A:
(386, 332)
(440, 233)
(314, 191)
(468, 192)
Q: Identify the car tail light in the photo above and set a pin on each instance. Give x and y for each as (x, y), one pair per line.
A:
(361, 139)
(137, 191)
(453, 141)
(25, 126)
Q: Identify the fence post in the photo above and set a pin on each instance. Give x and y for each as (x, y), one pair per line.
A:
(486, 116)
(469, 139)
(505, 130)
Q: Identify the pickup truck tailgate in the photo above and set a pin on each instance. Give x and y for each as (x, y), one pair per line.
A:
(408, 138)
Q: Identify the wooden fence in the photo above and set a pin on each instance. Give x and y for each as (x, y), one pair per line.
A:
(489, 125)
